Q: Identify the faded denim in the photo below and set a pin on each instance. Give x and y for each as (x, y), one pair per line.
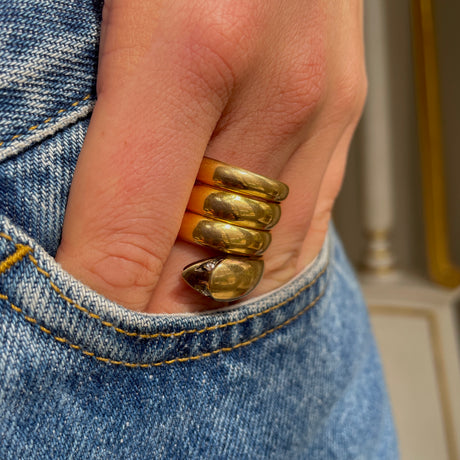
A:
(293, 374)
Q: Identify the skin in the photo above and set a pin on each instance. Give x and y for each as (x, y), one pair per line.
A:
(273, 86)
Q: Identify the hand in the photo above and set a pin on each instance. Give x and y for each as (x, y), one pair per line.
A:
(273, 86)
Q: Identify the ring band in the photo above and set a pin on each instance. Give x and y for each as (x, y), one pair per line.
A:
(230, 210)
(233, 208)
(223, 236)
(224, 278)
(239, 180)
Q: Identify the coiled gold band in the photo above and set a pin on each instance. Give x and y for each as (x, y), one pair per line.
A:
(230, 210)
(222, 236)
(224, 176)
(233, 208)
(224, 279)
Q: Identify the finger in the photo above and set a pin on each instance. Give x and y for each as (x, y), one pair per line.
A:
(250, 143)
(300, 235)
(299, 239)
(298, 131)
(153, 119)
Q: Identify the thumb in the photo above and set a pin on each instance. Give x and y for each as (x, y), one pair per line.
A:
(151, 124)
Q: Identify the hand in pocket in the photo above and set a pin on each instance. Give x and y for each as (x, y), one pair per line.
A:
(276, 87)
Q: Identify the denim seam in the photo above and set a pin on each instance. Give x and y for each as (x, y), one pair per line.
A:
(10, 261)
(169, 361)
(36, 133)
(24, 250)
(36, 126)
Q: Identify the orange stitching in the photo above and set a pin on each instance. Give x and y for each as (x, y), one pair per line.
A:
(173, 360)
(21, 252)
(34, 127)
(164, 334)
(172, 334)
(5, 236)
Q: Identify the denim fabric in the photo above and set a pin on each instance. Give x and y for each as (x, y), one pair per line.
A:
(293, 374)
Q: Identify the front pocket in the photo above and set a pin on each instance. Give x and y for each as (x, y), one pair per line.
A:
(37, 289)
(35, 184)
(49, 57)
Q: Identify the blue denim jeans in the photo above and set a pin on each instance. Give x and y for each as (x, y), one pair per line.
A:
(293, 374)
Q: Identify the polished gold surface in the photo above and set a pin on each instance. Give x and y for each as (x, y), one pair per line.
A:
(222, 236)
(230, 210)
(441, 267)
(224, 279)
(239, 180)
(233, 208)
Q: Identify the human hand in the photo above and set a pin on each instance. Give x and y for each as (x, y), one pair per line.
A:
(276, 87)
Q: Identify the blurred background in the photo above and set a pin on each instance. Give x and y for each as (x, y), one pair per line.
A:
(399, 215)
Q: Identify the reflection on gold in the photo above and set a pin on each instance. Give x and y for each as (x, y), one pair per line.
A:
(224, 279)
(438, 358)
(441, 268)
(222, 236)
(233, 208)
(223, 176)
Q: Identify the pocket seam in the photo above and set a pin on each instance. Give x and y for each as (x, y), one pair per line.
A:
(169, 361)
(44, 122)
(24, 250)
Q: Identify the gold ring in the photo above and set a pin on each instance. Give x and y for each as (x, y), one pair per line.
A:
(223, 236)
(224, 279)
(233, 208)
(230, 210)
(224, 176)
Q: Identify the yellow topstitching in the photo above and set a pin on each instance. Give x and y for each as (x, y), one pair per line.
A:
(34, 127)
(21, 252)
(168, 361)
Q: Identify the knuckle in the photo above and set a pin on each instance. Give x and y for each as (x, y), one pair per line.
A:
(208, 71)
(301, 93)
(127, 262)
(217, 42)
(228, 25)
(125, 272)
(307, 88)
(349, 92)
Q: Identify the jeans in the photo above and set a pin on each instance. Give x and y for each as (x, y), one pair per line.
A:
(293, 374)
